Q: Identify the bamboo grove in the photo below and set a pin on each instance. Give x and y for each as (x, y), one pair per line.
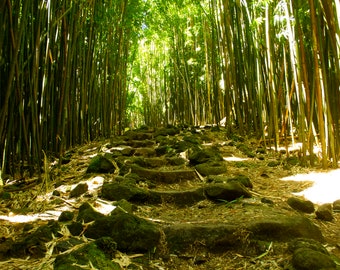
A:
(267, 67)
(63, 68)
(75, 70)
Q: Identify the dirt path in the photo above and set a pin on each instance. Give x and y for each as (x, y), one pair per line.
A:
(162, 153)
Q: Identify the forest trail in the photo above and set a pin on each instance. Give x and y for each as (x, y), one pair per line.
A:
(195, 198)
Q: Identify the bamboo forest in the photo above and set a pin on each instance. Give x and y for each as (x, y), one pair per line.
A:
(74, 70)
(169, 134)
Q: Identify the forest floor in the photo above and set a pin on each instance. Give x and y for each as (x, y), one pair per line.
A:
(26, 206)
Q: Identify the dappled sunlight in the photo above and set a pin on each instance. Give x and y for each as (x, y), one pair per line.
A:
(296, 147)
(325, 189)
(234, 159)
(102, 206)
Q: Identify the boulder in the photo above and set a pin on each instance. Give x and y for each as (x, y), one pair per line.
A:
(211, 168)
(167, 131)
(125, 206)
(307, 243)
(99, 255)
(226, 192)
(145, 152)
(214, 237)
(325, 212)
(100, 164)
(152, 162)
(181, 198)
(131, 233)
(138, 135)
(199, 156)
(34, 244)
(306, 259)
(79, 190)
(87, 213)
(279, 227)
(66, 216)
(119, 191)
(242, 179)
(165, 176)
(305, 206)
(336, 206)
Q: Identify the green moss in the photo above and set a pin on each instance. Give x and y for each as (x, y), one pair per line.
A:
(89, 254)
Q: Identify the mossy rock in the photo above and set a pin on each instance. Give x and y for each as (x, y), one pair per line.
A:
(305, 206)
(131, 233)
(34, 245)
(79, 190)
(98, 254)
(211, 168)
(200, 156)
(100, 164)
(87, 213)
(66, 216)
(305, 259)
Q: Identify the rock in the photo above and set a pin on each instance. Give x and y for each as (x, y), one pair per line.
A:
(138, 144)
(228, 192)
(205, 155)
(67, 244)
(65, 160)
(211, 168)
(56, 193)
(305, 206)
(162, 150)
(125, 206)
(280, 227)
(274, 163)
(66, 216)
(127, 151)
(100, 164)
(191, 142)
(181, 198)
(175, 161)
(145, 152)
(307, 243)
(267, 201)
(306, 259)
(217, 179)
(119, 191)
(336, 206)
(167, 131)
(245, 150)
(325, 212)
(214, 237)
(131, 233)
(34, 245)
(293, 161)
(150, 162)
(87, 213)
(242, 179)
(99, 255)
(75, 228)
(79, 190)
(138, 135)
(164, 176)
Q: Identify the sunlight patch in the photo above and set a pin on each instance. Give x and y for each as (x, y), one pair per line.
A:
(100, 205)
(326, 187)
(234, 159)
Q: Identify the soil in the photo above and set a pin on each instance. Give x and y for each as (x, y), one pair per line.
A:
(33, 198)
